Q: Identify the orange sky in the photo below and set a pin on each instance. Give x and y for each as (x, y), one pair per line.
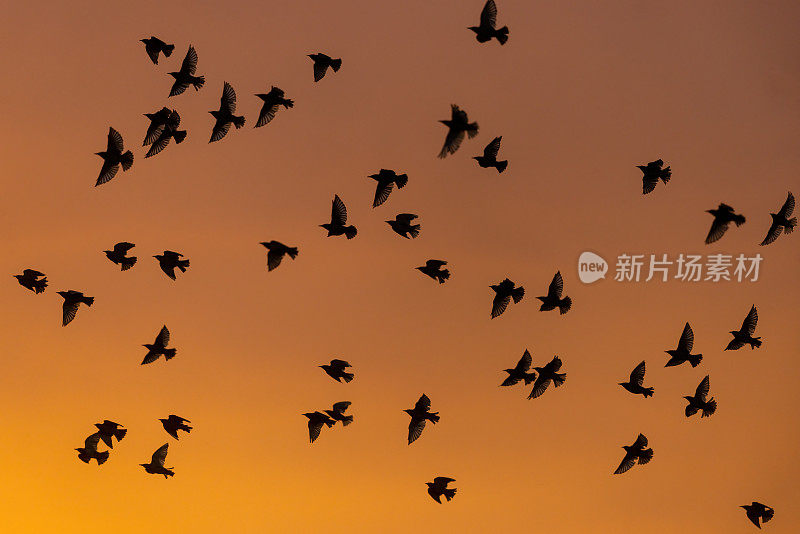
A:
(582, 92)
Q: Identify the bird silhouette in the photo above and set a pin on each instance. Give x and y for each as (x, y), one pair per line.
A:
(504, 292)
(336, 370)
(699, 401)
(153, 46)
(683, 353)
(419, 414)
(33, 280)
(89, 450)
(159, 348)
(321, 64)
(486, 31)
(173, 423)
(489, 158)
(633, 453)
(158, 120)
(402, 225)
(72, 300)
(108, 430)
(169, 261)
(723, 217)
(225, 115)
(119, 257)
(433, 268)
(744, 336)
(276, 252)
(547, 374)
(553, 298)
(156, 465)
(781, 221)
(337, 413)
(272, 103)
(652, 172)
(168, 131)
(113, 157)
(338, 220)
(636, 381)
(438, 488)
(458, 126)
(386, 180)
(758, 513)
(315, 422)
(186, 76)
(520, 371)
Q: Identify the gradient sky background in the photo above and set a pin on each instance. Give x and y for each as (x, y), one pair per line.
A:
(582, 93)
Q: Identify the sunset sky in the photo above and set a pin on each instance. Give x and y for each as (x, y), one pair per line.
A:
(581, 93)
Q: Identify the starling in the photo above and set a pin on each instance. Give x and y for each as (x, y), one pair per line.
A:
(315, 422)
(174, 423)
(336, 370)
(402, 225)
(419, 414)
(489, 158)
(723, 217)
(89, 450)
(158, 121)
(225, 115)
(553, 299)
(186, 76)
(504, 292)
(108, 430)
(699, 401)
(156, 465)
(634, 453)
(636, 381)
(169, 261)
(458, 125)
(758, 513)
(272, 103)
(337, 413)
(438, 487)
(73, 299)
(744, 336)
(277, 251)
(118, 255)
(154, 45)
(159, 347)
(113, 157)
(547, 374)
(486, 31)
(33, 280)
(321, 64)
(652, 172)
(520, 372)
(433, 268)
(781, 221)
(169, 131)
(338, 220)
(386, 180)
(683, 352)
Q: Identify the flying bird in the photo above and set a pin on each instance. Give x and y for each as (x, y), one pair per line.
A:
(337, 413)
(547, 374)
(173, 423)
(520, 371)
(153, 46)
(553, 298)
(338, 220)
(486, 31)
(321, 64)
(652, 172)
(315, 422)
(433, 268)
(72, 300)
(781, 221)
(159, 348)
(336, 370)
(113, 157)
(158, 120)
(683, 352)
(723, 217)
(636, 381)
(89, 450)
(403, 227)
(489, 158)
(169, 261)
(276, 252)
(186, 76)
(438, 487)
(633, 453)
(386, 180)
(33, 280)
(169, 131)
(156, 465)
(458, 126)
(504, 292)
(419, 414)
(108, 430)
(225, 115)
(758, 513)
(119, 255)
(744, 336)
(700, 402)
(272, 103)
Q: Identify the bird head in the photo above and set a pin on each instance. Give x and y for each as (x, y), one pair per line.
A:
(158, 256)
(409, 412)
(429, 484)
(101, 154)
(447, 122)
(174, 74)
(63, 293)
(143, 41)
(474, 28)
(688, 398)
(621, 383)
(17, 276)
(262, 96)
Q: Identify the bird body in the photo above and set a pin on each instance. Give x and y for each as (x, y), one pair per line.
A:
(72, 300)
(338, 221)
(321, 64)
(336, 370)
(457, 127)
(419, 414)
(683, 353)
(386, 179)
(159, 348)
(723, 217)
(156, 465)
(171, 260)
(652, 173)
(781, 221)
(186, 76)
(438, 489)
(520, 371)
(272, 102)
(547, 374)
(553, 298)
(505, 291)
(486, 30)
(638, 452)
(489, 158)
(114, 157)
(433, 268)
(118, 255)
(173, 423)
(636, 381)
(153, 46)
(32, 280)
(700, 402)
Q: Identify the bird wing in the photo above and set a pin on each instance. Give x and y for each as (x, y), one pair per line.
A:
(772, 234)
(114, 141)
(451, 143)
(173, 119)
(152, 48)
(228, 100)
(341, 407)
(511, 380)
(555, 364)
(189, 65)
(161, 142)
(382, 192)
(405, 218)
(268, 112)
(319, 69)
(788, 207)
(749, 324)
(718, 229)
(220, 130)
(648, 184)
(160, 455)
(162, 340)
(178, 88)
(539, 387)
(524, 363)
(499, 304)
(108, 171)
(435, 264)
(340, 363)
(627, 462)
(443, 481)
(423, 404)
(492, 148)
(637, 375)
(640, 443)
(687, 339)
(123, 247)
(314, 428)
(734, 345)
(69, 311)
(274, 258)
(150, 357)
(153, 132)
(556, 286)
(31, 272)
(92, 441)
(178, 419)
(338, 212)
(702, 390)
(489, 14)
(415, 428)
(169, 270)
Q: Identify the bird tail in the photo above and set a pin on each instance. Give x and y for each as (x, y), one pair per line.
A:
(179, 136)
(350, 232)
(168, 50)
(502, 35)
(182, 265)
(126, 160)
(565, 305)
(648, 392)
(102, 457)
(88, 300)
(347, 420)
(347, 377)
(709, 408)
(501, 166)
(198, 82)
(288, 103)
(755, 343)
(666, 174)
(336, 64)
(401, 180)
(695, 359)
(292, 252)
(170, 353)
(168, 473)
(414, 230)
(449, 493)
(789, 227)
(517, 294)
(472, 130)
(738, 219)
(559, 379)
(120, 433)
(39, 285)
(434, 417)
(443, 275)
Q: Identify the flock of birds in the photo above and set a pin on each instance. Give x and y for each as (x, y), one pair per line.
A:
(164, 127)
